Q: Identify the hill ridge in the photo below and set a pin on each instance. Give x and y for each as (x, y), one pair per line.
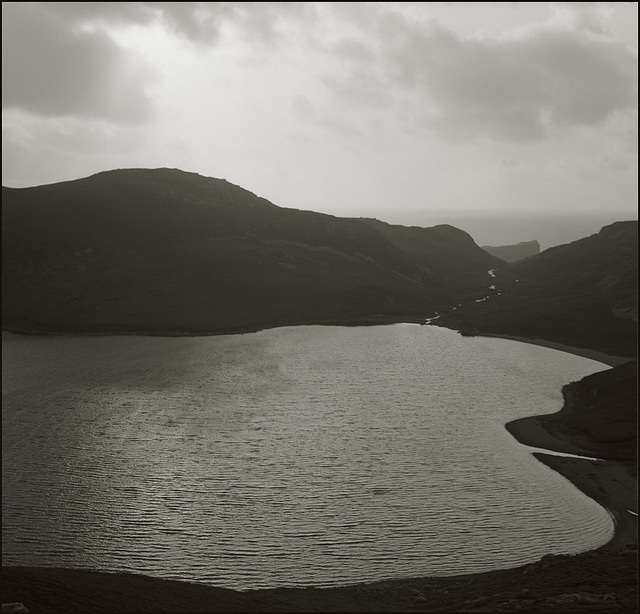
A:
(103, 252)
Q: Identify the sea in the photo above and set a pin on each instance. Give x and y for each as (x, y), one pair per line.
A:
(297, 456)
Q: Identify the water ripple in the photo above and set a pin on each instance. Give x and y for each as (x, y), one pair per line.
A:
(293, 457)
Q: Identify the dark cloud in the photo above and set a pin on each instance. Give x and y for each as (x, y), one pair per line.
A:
(53, 69)
(630, 137)
(363, 87)
(355, 50)
(198, 22)
(192, 20)
(59, 60)
(510, 88)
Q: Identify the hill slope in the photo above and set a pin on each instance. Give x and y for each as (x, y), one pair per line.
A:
(167, 251)
(582, 294)
(513, 253)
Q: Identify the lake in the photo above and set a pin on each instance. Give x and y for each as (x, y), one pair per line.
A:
(295, 456)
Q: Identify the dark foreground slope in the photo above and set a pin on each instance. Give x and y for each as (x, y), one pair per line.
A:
(582, 294)
(593, 581)
(169, 252)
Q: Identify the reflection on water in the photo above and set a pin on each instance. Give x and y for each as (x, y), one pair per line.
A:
(295, 456)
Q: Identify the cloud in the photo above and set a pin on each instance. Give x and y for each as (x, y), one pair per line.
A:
(197, 22)
(192, 20)
(301, 108)
(509, 163)
(50, 148)
(50, 68)
(590, 16)
(520, 87)
(61, 59)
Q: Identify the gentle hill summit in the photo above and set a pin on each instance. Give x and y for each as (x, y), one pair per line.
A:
(513, 253)
(171, 252)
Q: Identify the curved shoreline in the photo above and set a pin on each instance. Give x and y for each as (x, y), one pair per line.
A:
(612, 484)
(597, 355)
(593, 354)
(608, 482)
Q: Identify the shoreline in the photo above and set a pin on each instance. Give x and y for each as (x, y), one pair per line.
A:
(610, 483)
(371, 320)
(593, 354)
(597, 355)
(592, 581)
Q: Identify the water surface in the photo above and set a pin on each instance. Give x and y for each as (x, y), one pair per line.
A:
(290, 457)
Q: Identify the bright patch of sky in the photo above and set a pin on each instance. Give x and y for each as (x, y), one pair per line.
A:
(510, 120)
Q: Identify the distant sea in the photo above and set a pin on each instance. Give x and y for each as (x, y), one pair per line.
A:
(494, 228)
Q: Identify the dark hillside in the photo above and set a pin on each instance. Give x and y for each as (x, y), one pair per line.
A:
(173, 252)
(582, 294)
(440, 251)
(605, 262)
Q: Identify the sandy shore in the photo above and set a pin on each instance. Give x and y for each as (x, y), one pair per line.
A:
(607, 359)
(612, 484)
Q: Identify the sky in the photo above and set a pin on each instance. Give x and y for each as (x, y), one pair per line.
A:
(511, 120)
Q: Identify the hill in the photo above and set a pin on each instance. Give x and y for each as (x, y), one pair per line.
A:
(448, 256)
(166, 251)
(513, 253)
(582, 294)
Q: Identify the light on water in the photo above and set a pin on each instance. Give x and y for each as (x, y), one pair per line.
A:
(291, 457)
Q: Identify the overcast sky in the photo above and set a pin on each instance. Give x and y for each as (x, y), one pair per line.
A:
(414, 113)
